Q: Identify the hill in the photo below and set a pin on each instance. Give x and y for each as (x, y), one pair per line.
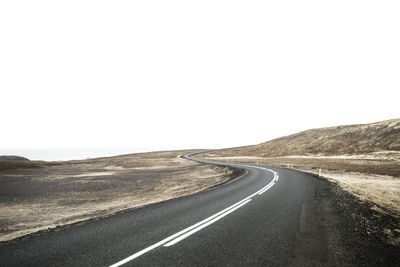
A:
(338, 140)
(13, 158)
(363, 159)
(17, 162)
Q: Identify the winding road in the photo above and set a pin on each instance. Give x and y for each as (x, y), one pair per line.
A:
(261, 218)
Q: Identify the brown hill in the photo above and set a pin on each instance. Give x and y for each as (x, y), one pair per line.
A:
(18, 162)
(338, 140)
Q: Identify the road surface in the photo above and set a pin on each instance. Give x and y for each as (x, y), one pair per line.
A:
(266, 217)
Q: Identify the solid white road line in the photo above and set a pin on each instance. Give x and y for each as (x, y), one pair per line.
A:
(175, 238)
(162, 242)
(264, 190)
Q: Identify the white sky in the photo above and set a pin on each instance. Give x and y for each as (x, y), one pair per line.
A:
(192, 74)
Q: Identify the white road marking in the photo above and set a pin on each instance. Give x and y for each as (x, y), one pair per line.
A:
(264, 190)
(175, 238)
(162, 242)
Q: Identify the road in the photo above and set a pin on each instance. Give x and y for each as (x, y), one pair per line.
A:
(261, 218)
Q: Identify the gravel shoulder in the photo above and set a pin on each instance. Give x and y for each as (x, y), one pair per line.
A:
(353, 229)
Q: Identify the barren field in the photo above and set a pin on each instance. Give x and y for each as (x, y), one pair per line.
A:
(59, 193)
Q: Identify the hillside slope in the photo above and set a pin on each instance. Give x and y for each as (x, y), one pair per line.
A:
(338, 140)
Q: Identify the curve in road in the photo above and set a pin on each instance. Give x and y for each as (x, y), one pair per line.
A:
(177, 237)
(258, 219)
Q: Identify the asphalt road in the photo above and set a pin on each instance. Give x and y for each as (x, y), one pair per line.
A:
(261, 218)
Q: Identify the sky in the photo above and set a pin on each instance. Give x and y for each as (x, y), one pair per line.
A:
(154, 75)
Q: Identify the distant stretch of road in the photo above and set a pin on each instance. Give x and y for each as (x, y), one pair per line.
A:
(253, 220)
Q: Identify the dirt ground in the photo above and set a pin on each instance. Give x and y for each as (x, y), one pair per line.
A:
(67, 192)
(356, 234)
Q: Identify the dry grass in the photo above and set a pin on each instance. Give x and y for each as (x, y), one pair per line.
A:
(38, 199)
(338, 140)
